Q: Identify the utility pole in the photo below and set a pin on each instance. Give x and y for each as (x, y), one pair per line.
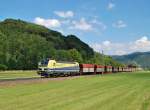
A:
(103, 57)
(103, 60)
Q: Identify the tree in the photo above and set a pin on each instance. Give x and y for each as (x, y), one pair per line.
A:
(75, 55)
(97, 59)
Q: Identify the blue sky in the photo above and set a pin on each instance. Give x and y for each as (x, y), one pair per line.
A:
(114, 26)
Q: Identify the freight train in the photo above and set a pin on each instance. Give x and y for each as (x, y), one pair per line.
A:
(50, 68)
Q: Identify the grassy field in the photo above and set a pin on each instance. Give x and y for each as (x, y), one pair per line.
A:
(130, 91)
(17, 74)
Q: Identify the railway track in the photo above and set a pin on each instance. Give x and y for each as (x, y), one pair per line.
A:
(35, 79)
(20, 79)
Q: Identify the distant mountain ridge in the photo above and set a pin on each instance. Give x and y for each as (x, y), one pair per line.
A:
(139, 58)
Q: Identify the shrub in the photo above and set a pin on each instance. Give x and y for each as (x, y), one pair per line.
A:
(3, 67)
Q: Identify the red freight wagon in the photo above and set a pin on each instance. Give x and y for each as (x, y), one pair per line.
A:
(108, 69)
(99, 69)
(133, 69)
(86, 68)
(129, 69)
(114, 69)
(120, 69)
(125, 69)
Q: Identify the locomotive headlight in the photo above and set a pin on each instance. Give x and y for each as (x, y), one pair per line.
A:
(41, 69)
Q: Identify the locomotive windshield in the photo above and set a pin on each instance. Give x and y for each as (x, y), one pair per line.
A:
(44, 62)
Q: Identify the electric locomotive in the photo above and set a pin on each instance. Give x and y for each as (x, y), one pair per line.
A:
(49, 67)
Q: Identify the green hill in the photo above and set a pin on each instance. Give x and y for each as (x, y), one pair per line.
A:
(139, 58)
(24, 44)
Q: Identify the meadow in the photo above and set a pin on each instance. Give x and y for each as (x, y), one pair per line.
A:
(17, 74)
(121, 91)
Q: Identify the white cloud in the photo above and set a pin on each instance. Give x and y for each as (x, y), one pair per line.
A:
(141, 45)
(99, 24)
(81, 25)
(66, 22)
(88, 25)
(142, 42)
(50, 23)
(110, 6)
(106, 43)
(119, 24)
(63, 14)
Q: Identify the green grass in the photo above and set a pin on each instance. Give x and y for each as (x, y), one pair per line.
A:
(126, 91)
(17, 74)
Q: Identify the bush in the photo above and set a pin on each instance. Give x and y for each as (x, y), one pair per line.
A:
(3, 67)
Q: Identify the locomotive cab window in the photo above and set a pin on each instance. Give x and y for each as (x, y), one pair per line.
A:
(44, 62)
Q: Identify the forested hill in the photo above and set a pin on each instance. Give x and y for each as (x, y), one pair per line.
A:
(137, 58)
(23, 45)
